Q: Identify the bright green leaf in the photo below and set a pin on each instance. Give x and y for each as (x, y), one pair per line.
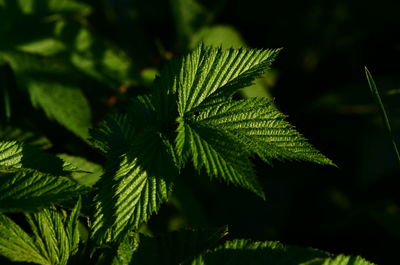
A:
(260, 127)
(208, 73)
(28, 190)
(220, 133)
(214, 150)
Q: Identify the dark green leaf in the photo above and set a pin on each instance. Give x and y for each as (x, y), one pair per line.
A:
(176, 247)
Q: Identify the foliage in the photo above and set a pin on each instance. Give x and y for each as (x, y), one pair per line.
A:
(68, 208)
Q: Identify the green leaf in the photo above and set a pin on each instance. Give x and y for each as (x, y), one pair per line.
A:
(228, 37)
(209, 73)
(20, 155)
(55, 238)
(33, 138)
(220, 133)
(17, 16)
(51, 237)
(51, 87)
(189, 18)
(46, 46)
(219, 35)
(125, 250)
(176, 247)
(87, 173)
(31, 179)
(72, 228)
(137, 177)
(29, 190)
(260, 128)
(95, 57)
(242, 251)
(339, 260)
(113, 134)
(45, 8)
(213, 150)
(16, 244)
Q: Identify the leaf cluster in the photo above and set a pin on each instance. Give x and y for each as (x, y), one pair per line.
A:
(65, 209)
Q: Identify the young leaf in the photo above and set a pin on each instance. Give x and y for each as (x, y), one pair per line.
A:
(209, 73)
(241, 251)
(221, 133)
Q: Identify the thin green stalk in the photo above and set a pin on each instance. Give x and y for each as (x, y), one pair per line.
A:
(6, 97)
(375, 93)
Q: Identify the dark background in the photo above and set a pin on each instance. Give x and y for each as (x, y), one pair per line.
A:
(319, 83)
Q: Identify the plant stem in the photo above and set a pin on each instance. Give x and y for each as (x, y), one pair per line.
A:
(375, 93)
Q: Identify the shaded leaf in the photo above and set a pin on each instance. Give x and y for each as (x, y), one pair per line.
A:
(176, 247)
(51, 88)
(137, 177)
(189, 18)
(125, 250)
(9, 133)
